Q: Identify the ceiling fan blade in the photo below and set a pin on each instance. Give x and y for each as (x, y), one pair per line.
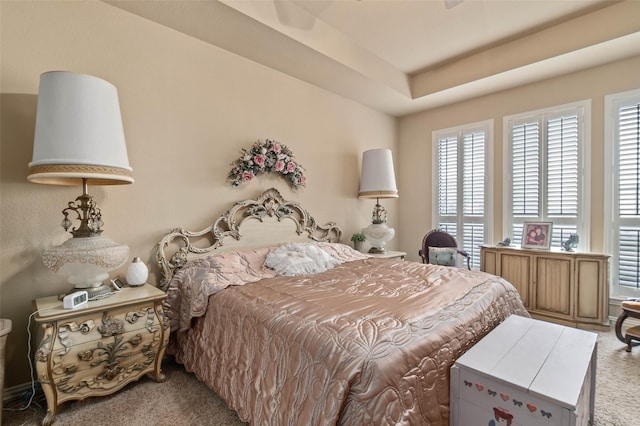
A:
(291, 15)
(299, 14)
(449, 4)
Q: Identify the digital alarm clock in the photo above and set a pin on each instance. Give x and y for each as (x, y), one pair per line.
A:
(75, 299)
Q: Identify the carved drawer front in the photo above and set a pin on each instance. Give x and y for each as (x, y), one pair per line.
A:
(104, 364)
(105, 324)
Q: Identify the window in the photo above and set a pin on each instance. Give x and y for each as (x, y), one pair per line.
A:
(622, 140)
(462, 169)
(545, 156)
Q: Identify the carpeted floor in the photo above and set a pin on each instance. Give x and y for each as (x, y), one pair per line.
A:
(183, 400)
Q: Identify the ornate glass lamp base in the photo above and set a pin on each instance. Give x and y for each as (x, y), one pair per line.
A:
(87, 262)
(377, 250)
(99, 292)
(377, 234)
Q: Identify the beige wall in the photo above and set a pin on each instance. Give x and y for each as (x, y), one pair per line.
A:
(188, 108)
(415, 146)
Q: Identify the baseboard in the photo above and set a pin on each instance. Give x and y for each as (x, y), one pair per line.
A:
(22, 391)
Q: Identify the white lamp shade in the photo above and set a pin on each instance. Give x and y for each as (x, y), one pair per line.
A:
(79, 132)
(377, 179)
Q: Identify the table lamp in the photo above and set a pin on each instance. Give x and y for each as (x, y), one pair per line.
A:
(79, 140)
(377, 180)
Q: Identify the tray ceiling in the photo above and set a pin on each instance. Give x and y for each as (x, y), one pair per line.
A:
(402, 56)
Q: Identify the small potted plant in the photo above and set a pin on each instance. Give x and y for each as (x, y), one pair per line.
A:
(358, 240)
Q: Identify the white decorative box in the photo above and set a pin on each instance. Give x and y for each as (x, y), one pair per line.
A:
(526, 372)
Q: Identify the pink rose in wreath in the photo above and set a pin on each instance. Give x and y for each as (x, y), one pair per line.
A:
(259, 159)
(247, 175)
(291, 166)
(276, 148)
(279, 166)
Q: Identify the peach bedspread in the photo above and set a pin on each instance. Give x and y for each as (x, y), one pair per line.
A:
(369, 342)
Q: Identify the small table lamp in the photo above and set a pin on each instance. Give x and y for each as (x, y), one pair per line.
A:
(79, 140)
(377, 180)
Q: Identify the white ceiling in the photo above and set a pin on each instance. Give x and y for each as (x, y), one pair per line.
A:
(414, 35)
(402, 56)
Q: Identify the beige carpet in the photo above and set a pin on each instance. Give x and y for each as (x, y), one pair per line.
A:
(183, 400)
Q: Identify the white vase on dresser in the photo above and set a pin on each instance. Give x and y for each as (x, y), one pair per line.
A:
(137, 272)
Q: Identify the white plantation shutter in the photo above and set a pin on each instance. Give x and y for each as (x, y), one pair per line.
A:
(561, 233)
(473, 174)
(629, 257)
(461, 172)
(473, 239)
(546, 150)
(525, 141)
(562, 166)
(628, 217)
(450, 228)
(563, 180)
(448, 176)
(629, 160)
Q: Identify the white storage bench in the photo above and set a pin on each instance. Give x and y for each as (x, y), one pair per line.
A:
(526, 372)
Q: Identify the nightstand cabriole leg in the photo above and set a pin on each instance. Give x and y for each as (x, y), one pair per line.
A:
(44, 369)
(48, 419)
(158, 375)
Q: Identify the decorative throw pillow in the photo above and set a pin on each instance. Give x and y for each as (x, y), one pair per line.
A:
(298, 259)
(445, 256)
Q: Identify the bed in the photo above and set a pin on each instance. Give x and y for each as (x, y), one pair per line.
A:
(334, 336)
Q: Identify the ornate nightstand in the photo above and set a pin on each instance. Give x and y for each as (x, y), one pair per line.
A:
(101, 346)
(390, 255)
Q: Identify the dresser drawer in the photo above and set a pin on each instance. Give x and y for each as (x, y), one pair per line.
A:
(105, 364)
(106, 323)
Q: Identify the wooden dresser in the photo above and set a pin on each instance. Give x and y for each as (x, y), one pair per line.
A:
(570, 288)
(101, 346)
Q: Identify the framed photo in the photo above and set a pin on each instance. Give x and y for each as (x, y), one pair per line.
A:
(536, 235)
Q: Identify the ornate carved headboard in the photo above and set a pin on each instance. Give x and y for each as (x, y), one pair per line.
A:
(226, 228)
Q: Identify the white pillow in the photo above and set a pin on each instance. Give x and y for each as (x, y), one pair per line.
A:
(299, 258)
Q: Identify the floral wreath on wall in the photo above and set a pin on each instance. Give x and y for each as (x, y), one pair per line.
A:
(267, 157)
